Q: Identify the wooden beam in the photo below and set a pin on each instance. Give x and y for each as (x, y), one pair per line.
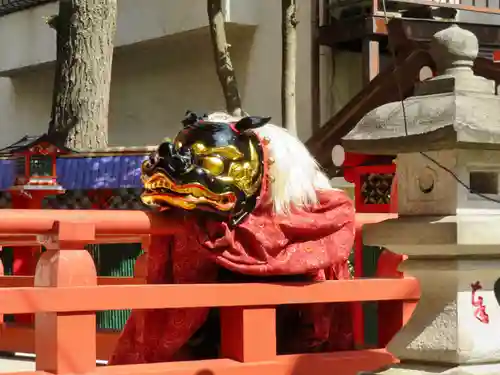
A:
(424, 30)
(416, 29)
(82, 299)
(468, 8)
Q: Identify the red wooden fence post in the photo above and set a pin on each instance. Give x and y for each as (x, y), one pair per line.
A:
(66, 342)
(248, 333)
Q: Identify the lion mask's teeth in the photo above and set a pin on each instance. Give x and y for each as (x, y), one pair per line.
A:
(158, 190)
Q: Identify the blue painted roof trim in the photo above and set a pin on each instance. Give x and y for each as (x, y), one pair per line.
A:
(88, 173)
(104, 172)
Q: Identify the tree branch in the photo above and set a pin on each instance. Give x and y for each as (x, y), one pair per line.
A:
(289, 64)
(223, 63)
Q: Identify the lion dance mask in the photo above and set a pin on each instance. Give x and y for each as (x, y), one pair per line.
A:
(255, 207)
(210, 166)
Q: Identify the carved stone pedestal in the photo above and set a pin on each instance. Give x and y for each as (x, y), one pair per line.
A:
(455, 328)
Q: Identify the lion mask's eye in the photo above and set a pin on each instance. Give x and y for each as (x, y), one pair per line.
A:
(213, 164)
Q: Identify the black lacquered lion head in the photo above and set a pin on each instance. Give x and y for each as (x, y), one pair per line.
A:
(210, 166)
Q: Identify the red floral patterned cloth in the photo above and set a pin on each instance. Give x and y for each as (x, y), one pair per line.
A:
(315, 243)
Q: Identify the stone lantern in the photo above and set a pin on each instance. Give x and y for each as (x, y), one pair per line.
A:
(447, 142)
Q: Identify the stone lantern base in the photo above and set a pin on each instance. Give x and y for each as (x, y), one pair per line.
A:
(419, 369)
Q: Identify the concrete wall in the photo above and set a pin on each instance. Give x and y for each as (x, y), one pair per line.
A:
(155, 81)
(29, 41)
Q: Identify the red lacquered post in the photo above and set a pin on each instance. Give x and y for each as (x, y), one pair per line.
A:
(66, 342)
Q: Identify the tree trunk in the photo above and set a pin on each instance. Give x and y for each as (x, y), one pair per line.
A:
(223, 64)
(289, 64)
(80, 105)
(315, 67)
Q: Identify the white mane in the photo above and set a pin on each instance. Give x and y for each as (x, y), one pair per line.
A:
(297, 175)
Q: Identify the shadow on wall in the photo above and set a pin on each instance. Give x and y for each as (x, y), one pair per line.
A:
(153, 84)
(32, 101)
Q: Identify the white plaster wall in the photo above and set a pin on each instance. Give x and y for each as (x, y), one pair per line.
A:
(154, 82)
(342, 78)
(173, 77)
(152, 86)
(26, 40)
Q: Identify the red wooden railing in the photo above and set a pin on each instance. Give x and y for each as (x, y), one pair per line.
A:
(65, 294)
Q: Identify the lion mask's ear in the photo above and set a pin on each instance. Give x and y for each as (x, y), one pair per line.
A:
(190, 118)
(251, 122)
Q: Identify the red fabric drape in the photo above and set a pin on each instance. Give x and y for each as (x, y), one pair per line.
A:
(314, 242)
